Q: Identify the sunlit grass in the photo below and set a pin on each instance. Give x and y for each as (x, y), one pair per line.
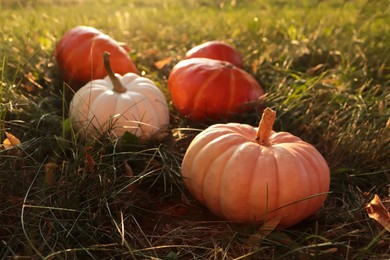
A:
(324, 65)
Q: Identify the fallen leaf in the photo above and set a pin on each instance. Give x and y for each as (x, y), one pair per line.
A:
(151, 52)
(255, 65)
(377, 211)
(128, 170)
(89, 161)
(161, 63)
(316, 69)
(173, 209)
(33, 82)
(50, 176)
(129, 173)
(10, 141)
(264, 231)
(15, 200)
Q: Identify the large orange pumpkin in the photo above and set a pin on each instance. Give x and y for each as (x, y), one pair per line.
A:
(79, 53)
(203, 88)
(216, 50)
(252, 175)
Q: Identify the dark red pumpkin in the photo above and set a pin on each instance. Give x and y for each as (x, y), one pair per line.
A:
(204, 88)
(79, 54)
(216, 50)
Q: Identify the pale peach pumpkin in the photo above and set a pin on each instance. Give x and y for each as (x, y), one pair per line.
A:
(242, 173)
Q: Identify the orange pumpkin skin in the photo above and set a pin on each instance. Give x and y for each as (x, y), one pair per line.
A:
(240, 180)
(204, 88)
(79, 53)
(216, 50)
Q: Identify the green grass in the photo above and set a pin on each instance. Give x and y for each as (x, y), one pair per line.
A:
(325, 66)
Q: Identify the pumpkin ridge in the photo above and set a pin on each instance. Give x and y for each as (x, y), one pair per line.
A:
(240, 129)
(134, 111)
(280, 138)
(207, 144)
(299, 205)
(66, 62)
(188, 164)
(251, 177)
(204, 162)
(221, 211)
(199, 94)
(258, 177)
(232, 90)
(130, 110)
(277, 182)
(243, 172)
(218, 210)
(97, 109)
(150, 92)
(90, 59)
(311, 173)
(81, 101)
(153, 116)
(303, 204)
(314, 162)
(145, 122)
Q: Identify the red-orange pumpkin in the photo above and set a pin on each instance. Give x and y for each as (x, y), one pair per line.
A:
(204, 88)
(216, 50)
(252, 175)
(79, 53)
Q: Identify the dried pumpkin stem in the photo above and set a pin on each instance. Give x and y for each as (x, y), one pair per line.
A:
(265, 127)
(118, 87)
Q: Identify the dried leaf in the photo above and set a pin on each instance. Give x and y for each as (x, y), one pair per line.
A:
(151, 52)
(15, 200)
(10, 141)
(316, 69)
(128, 170)
(255, 65)
(172, 208)
(129, 173)
(89, 161)
(377, 211)
(50, 173)
(33, 82)
(264, 230)
(161, 63)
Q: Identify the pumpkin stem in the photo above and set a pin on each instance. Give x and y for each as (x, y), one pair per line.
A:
(265, 127)
(118, 87)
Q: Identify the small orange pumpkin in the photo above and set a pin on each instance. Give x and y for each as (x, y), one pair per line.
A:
(78, 56)
(217, 50)
(203, 88)
(252, 175)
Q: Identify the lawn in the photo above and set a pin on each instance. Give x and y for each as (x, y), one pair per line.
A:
(325, 68)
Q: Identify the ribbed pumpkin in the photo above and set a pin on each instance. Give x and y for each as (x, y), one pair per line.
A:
(216, 50)
(203, 88)
(79, 53)
(117, 104)
(246, 174)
